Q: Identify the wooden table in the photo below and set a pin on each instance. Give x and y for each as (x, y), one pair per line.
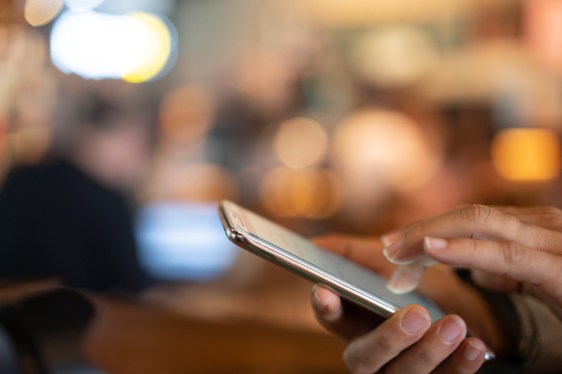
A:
(263, 325)
(127, 338)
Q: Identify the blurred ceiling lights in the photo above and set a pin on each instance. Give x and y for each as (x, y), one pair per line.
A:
(475, 74)
(527, 154)
(135, 47)
(311, 193)
(386, 147)
(543, 31)
(300, 143)
(394, 56)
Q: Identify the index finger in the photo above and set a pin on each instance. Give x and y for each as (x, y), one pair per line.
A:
(474, 222)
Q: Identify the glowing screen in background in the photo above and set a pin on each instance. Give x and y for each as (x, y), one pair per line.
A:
(183, 242)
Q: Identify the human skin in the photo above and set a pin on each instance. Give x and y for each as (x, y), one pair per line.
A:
(507, 248)
(408, 341)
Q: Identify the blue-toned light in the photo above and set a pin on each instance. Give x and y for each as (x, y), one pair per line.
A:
(83, 5)
(183, 242)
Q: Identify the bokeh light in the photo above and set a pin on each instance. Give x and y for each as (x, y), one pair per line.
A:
(40, 12)
(179, 241)
(527, 154)
(156, 51)
(185, 115)
(264, 77)
(543, 31)
(191, 183)
(394, 56)
(301, 142)
(384, 146)
(310, 193)
(356, 13)
(133, 47)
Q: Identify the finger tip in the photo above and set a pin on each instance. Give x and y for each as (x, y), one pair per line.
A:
(326, 303)
(398, 289)
(461, 328)
(458, 319)
(434, 244)
(385, 241)
(406, 278)
(414, 319)
(474, 350)
(420, 309)
(390, 237)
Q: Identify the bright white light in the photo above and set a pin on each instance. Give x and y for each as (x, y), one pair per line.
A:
(134, 47)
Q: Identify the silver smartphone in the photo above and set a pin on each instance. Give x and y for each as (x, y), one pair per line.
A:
(297, 254)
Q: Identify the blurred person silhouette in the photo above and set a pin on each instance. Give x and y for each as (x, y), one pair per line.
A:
(68, 217)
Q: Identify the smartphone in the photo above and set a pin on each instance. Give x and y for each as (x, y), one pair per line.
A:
(297, 254)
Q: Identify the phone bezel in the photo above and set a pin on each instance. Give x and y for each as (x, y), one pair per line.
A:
(264, 249)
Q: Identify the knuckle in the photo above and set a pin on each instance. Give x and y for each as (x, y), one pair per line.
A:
(552, 215)
(384, 345)
(426, 359)
(510, 254)
(476, 213)
(551, 211)
(371, 352)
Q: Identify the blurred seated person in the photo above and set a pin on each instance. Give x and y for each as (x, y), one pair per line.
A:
(67, 217)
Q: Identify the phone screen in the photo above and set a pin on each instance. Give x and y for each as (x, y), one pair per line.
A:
(286, 243)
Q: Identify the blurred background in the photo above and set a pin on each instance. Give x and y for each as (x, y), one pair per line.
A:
(349, 116)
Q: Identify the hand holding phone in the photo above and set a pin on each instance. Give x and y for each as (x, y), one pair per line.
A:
(407, 341)
(357, 282)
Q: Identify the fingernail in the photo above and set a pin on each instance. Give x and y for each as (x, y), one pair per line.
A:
(391, 237)
(405, 278)
(452, 329)
(391, 249)
(414, 321)
(430, 243)
(427, 261)
(473, 351)
(324, 301)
